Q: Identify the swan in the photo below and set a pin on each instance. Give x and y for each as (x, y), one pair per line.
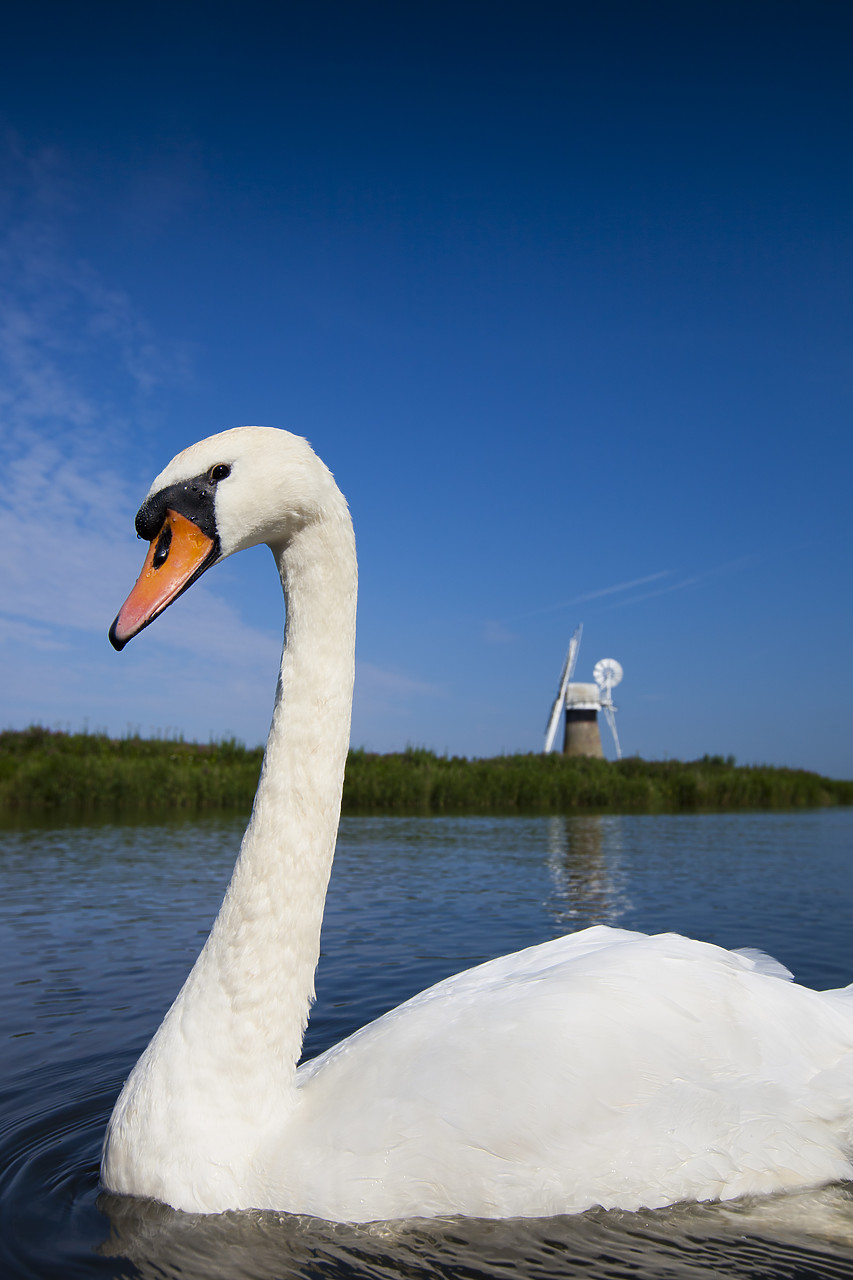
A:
(605, 1068)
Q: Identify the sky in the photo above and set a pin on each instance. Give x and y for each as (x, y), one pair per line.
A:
(561, 292)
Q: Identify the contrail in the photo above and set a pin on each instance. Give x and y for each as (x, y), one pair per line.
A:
(596, 595)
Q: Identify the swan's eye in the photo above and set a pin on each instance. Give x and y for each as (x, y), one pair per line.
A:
(219, 472)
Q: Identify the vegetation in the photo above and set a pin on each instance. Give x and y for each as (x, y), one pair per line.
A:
(45, 773)
(86, 774)
(418, 781)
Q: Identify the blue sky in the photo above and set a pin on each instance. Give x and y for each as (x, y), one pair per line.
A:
(562, 294)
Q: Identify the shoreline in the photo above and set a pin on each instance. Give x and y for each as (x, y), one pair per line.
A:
(47, 773)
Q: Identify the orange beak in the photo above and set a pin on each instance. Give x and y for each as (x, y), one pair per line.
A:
(176, 557)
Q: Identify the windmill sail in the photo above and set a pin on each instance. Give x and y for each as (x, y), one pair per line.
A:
(567, 673)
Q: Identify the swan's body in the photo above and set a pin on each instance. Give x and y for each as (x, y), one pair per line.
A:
(603, 1068)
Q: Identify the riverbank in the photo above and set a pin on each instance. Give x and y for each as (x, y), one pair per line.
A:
(45, 773)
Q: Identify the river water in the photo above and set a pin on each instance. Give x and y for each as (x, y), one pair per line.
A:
(99, 925)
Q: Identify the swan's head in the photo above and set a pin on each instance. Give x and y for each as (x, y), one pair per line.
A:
(231, 491)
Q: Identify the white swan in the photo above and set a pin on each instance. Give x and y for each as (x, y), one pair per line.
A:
(607, 1068)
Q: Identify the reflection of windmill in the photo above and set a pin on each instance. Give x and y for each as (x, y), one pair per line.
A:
(582, 703)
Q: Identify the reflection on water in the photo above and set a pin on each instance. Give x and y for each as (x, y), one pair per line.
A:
(585, 861)
(98, 927)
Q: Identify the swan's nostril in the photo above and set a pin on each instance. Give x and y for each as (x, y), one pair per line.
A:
(161, 551)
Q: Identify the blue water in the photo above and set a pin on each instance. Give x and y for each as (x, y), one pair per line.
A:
(99, 925)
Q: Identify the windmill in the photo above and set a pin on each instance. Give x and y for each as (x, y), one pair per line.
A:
(582, 703)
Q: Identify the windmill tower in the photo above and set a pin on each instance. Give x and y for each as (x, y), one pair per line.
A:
(582, 703)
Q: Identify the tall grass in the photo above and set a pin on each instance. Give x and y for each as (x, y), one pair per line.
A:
(44, 773)
(81, 774)
(418, 781)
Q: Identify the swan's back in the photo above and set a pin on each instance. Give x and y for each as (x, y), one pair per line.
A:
(603, 1068)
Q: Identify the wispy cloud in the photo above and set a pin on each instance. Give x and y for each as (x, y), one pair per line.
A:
(61, 324)
(58, 322)
(597, 594)
(29, 635)
(498, 629)
(661, 591)
(57, 565)
(620, 586)
(730, 566)
(63, 446)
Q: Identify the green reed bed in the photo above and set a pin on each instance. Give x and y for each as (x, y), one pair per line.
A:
(420, 782)
(45, 773)
(86, 774)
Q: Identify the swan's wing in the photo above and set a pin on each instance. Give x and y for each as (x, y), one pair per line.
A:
(607, 1068)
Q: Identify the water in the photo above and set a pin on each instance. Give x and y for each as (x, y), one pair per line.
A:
(99, 925)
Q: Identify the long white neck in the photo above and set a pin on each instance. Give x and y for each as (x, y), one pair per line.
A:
(264, 946)
(225, 1055)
